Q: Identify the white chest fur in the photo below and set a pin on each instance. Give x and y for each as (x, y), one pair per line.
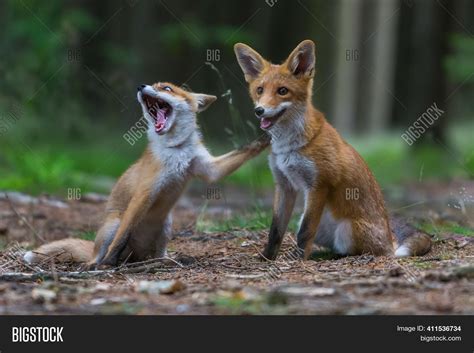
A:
(287, 164)
(175, 166)
(298, 170)
(176, 161)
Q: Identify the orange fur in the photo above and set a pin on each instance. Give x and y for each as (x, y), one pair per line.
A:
(316, 160)
(137, 224)
(65, 250)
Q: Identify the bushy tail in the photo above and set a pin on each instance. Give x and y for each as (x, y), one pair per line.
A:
(65, 250)
(410, 241)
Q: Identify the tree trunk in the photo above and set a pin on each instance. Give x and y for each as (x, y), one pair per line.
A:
(382, 68)
(345, 96)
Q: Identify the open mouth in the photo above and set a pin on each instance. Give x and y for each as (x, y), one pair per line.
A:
(159, 110)
(269, 121)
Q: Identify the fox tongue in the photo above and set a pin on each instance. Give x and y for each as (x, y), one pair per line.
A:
(265, 123)
(160, 120)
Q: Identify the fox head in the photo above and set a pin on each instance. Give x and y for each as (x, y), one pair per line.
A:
(168, 107)
(280, 92)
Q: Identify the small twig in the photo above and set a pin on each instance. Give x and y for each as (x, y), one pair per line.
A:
(19, 276)
(173, 261)
(124, 263)
(147, 265)
(54, 272)
(6, 264)
(261, 254)
(409, 274)
(23, 219)
(136, 267)
(235, 257)
(428, 259)
(150, 261)
(307, 269)
(18, 261)
(46, 259)
(233, 267)
(231, 275)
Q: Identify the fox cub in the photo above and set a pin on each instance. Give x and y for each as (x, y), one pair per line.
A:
(309, 156)
(138, 217)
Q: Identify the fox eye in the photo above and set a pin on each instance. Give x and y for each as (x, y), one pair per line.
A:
(282, 91)
(259, 90)
(168, 88)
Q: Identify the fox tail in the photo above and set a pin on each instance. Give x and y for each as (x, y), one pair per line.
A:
(65, 250)
(410, 241)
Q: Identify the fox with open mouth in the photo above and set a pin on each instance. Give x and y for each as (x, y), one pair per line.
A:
(309, 156)
(138, 216)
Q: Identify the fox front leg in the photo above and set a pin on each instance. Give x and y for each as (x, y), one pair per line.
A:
(212, 169)
(283, 204)
(104, 237)
(314, 206)
(136, 211)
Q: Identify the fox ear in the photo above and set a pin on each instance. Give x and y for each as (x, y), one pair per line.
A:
(203, 101)
(249, 60)
(302, 59)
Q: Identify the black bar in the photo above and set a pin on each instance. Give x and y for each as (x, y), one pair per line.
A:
(314, 333)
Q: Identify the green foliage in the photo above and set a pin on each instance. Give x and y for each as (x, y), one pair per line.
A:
(422, 265)
(392, 161)
(36, 171)
(235, 305)
(118, 55)
(40, 37)
(460, 64)
(197, 35)
(67, 149)
(253, 220)
(448, 227)
(89, 235)
(255, 174)
(56, 166)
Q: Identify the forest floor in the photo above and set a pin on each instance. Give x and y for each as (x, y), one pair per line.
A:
(218, 271)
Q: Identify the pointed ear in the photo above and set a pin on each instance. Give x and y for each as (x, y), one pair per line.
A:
(249, 60)
(302, 59)
(203, 101)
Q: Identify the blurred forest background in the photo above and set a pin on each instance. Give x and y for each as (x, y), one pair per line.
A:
(69, 72)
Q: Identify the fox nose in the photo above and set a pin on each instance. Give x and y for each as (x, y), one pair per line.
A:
(139, 88)
(259, 111)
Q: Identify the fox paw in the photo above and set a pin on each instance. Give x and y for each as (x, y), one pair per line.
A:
(89, 266)
(267, 255)
(298, 254)
(97, 265)
(261, 143)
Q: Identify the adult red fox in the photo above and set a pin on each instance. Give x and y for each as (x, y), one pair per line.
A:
(138, 213)
(309, 156)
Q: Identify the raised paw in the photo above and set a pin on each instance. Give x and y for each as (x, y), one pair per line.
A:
(261, 143)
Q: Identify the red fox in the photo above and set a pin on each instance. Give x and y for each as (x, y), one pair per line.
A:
(138, 213)
(308, 155)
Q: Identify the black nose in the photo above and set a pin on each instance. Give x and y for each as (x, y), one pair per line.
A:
(139, 88)
(259, 111)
